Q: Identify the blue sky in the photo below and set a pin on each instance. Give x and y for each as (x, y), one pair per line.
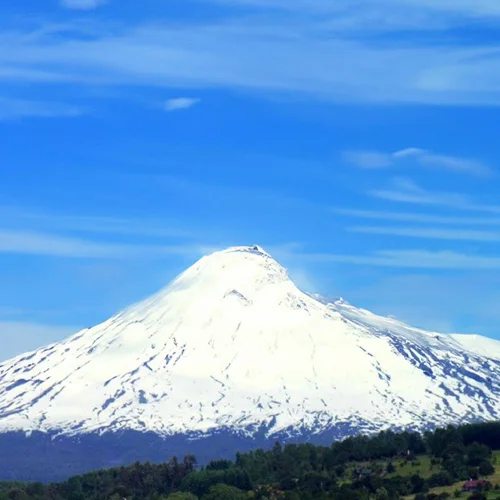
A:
(357, 141)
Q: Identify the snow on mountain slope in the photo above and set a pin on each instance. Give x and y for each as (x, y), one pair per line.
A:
(232, 343)
(482, 346)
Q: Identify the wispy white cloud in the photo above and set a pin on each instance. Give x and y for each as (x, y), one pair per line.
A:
(417, 217)
(361, 16)
(395, 9)
(417, 259)
(432, 233)
(180, 103)
(282, 55)
(368, 159)
(35, 243)
(406, 191)
(444, 162)
(18, 108)
(419, 157)
(473, 8)
(454, 200)
(147, 227)
(8, 312)
(82, 4)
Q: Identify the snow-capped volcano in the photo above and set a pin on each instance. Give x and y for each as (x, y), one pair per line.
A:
(233, 343)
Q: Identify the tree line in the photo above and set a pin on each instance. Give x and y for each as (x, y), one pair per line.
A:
(357, 468)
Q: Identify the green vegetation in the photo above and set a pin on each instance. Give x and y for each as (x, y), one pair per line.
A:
(388, 466)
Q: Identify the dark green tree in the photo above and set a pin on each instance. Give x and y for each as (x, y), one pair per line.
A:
(486, 468)
(224, 492)
(477, 453)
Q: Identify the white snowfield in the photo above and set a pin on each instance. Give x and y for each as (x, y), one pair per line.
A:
(233, 343)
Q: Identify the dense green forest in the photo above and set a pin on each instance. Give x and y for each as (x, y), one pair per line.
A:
(387, 466)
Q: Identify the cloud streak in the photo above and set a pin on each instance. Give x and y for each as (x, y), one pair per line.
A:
(416, 217)
(36, 243)
(467, 7)
(82, 4)
(369, 159)
(432, 233)
(36, 219)
(416, 157)
(17, 108)
(405, 191)
(413, 259)
(180, 103)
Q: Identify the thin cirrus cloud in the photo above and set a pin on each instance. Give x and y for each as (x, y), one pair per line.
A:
(18, 108)
(82, 4)
(411, 259)
(433, 233)
(39, 219)
(387, 13)
(368, 159)
(470, 7)
(416, 157)
(38, 243)
(416, 217)
(268, 56)
(180, 103)
(406, 191)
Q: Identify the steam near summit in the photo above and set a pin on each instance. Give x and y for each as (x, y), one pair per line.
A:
(232, 344)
